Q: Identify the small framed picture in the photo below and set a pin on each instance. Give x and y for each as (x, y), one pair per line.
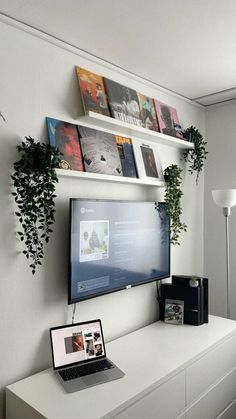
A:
(174, 311)
(147, 160)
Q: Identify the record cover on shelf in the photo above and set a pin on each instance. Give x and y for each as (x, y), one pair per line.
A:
(92, 91)
(126, 154)
(123, 102)
(147, 160)
(64, 136)
(174, 311)
(168, 120)
(100, 152)
(148, 112)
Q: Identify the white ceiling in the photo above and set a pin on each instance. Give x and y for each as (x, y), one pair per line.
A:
(187, 46)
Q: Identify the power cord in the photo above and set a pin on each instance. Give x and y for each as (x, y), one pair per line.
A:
(158, 291)
(73, 314)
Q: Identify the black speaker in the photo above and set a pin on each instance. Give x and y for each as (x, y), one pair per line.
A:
(203, 285)
(191, 298)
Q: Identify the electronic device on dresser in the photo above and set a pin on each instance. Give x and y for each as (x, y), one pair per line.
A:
(79, 356)
(116, 245)
(203, 285)
(194, 298)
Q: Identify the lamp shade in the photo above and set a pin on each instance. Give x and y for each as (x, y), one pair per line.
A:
(225, 198)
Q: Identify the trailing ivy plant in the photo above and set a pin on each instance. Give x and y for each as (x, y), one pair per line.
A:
(196, 156)
(173, 194)
(34, 182)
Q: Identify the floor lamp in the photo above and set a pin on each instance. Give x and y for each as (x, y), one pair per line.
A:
(226, 199)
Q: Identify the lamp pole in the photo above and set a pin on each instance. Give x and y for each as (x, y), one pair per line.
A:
(226, 213)
(226, 199)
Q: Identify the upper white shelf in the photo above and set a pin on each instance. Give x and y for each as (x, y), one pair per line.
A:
(108, 178)
(123, 128)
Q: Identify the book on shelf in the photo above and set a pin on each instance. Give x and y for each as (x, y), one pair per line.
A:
(148, 112)
(92, 91)
(123, 102)
(168, 120)
(126, 154)
(100, 152)
(64, 136)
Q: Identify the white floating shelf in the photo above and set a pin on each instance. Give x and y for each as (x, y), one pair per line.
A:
(108, 178)
(123, 128)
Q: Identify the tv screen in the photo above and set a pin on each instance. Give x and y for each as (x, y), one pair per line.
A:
(116, 245)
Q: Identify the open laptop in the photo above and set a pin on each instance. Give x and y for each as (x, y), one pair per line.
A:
(79, 356)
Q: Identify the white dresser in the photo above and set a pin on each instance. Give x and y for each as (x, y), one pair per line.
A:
(171, 372)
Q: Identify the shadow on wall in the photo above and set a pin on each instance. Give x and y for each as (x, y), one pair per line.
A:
(2, 403)
(72, 102)
(56, 260)
(43, 353)
(9, 247)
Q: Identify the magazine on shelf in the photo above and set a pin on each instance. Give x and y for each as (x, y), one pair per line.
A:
(64, 136)
(100, 152)
(148, 112)
(123, 102)
(168, 120)
(125, 150)
(92, 91)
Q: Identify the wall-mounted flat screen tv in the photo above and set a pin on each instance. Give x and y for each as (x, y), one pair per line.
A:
(116, 245)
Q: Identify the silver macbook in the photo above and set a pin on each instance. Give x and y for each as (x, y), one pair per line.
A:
(79, 356)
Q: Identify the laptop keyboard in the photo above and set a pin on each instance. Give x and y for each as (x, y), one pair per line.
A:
(86, 369)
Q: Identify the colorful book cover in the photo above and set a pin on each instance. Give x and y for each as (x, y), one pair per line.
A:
(92, 91)
(168, 120)
(64, 136)
(125, 150)
(100, 152)
(123, 102)
(148, 113)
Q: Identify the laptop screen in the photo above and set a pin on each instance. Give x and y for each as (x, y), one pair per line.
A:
(79, 342)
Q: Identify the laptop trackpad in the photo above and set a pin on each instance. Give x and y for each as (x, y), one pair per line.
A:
(94, 378)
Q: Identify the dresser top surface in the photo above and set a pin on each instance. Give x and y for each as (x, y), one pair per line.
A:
(149, 357)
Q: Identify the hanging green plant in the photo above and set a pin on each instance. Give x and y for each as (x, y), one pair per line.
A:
(173, 194)
(34, 181)
(195, 157)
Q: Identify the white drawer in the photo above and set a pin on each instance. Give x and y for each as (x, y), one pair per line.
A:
(167, 401)
(216, 400)
(16, 408)
(210, 368)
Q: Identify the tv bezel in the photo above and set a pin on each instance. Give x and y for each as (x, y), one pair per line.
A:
(77, 300)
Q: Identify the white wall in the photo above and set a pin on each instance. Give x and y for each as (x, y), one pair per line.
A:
(220, 174)
(37, 79)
